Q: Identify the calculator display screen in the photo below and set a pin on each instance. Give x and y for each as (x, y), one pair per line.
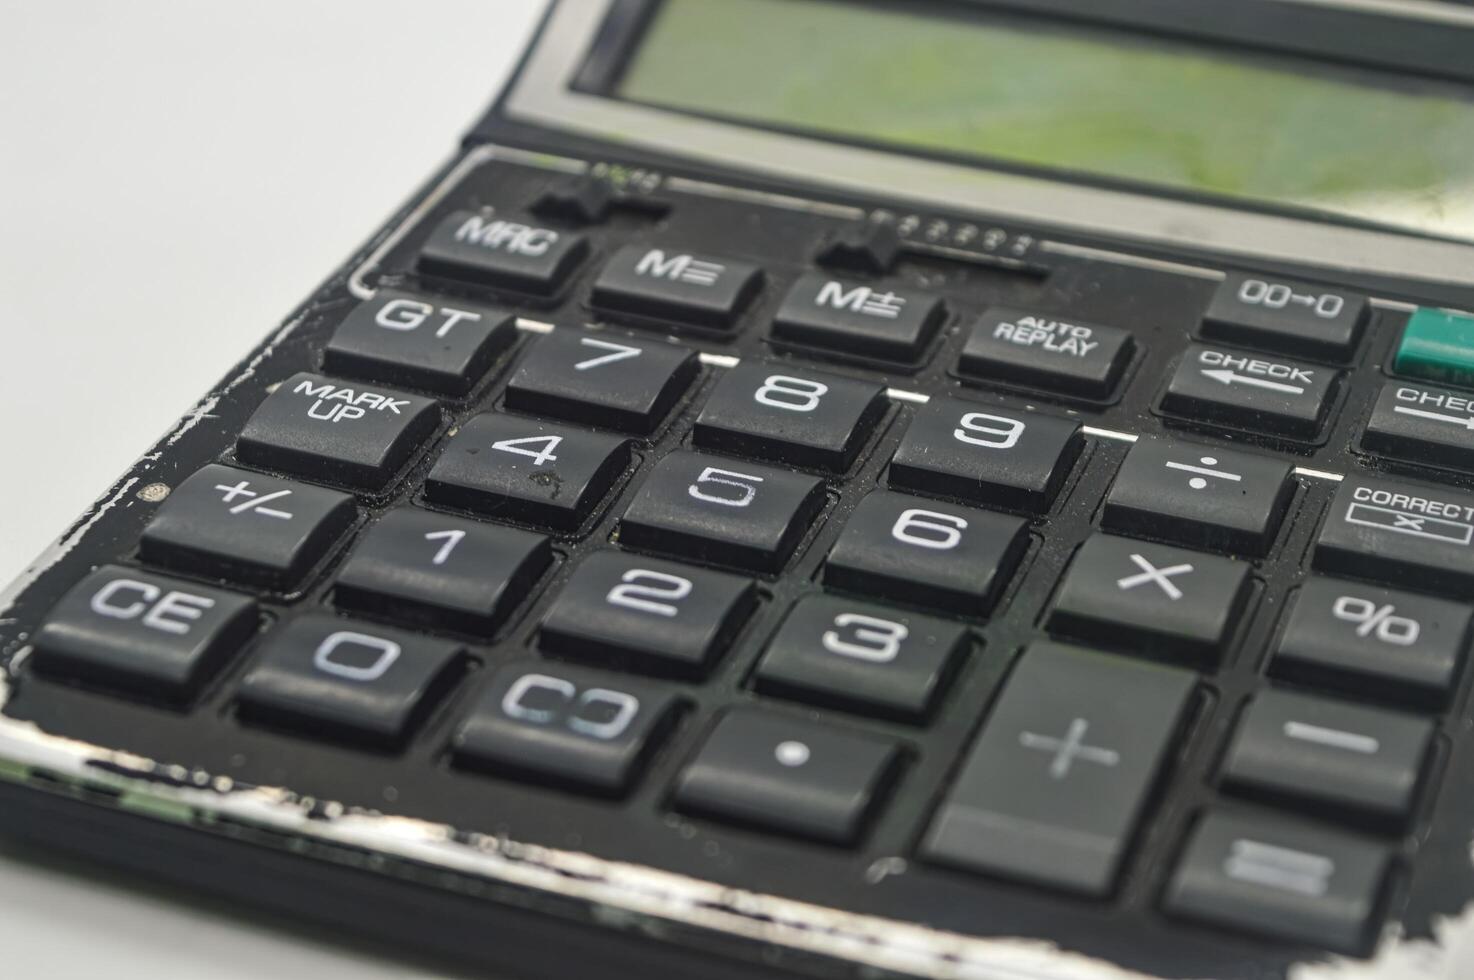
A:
(1273, 129)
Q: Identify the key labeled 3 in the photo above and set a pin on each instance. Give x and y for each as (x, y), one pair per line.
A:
(868, 658)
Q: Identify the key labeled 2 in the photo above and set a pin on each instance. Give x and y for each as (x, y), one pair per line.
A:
(630, 611)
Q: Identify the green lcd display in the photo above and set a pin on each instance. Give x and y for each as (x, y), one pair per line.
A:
(1273, 129)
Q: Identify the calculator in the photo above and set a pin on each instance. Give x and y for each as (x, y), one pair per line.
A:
(822, 488)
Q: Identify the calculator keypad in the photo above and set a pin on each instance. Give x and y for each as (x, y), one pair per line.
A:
(859, 318)
(523, 255)
(1294, 881)
(1343, 759)
(1243, 389)
(585, 526)
(1383, 643)
(1034, 349)
(1120, 592)
(1401, 534)
(664, 282)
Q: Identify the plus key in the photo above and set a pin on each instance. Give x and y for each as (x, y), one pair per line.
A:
(1059, 776)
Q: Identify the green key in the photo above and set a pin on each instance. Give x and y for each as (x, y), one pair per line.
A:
(1437, 345)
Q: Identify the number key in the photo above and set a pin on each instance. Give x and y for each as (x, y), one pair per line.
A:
(526, 470)
(722, 511)
(565, 725)
(601, 378)
(962, 449)
(769, 411)
(441, 570)
(873, 659)
(624, 610)
(903, 548)
(323, 676)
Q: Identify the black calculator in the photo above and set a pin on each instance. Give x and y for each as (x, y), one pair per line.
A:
(824, 488)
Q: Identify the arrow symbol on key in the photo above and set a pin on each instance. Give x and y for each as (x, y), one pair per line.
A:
(1466, 422)
(1227, 377)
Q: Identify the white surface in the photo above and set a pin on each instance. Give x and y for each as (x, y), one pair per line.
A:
(174, 178)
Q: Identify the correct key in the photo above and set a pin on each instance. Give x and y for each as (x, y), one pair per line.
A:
(331, 432)
(1402, 533)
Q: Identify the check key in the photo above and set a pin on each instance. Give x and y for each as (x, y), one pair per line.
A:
(1247, 391)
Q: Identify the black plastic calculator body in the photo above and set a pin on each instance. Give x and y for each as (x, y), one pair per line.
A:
(680, 546)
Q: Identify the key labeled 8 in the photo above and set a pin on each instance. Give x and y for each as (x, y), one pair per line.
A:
(791, 394)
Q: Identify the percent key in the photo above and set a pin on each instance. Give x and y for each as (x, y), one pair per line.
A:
(1383, 643)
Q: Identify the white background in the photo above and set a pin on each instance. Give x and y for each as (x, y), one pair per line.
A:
(174, 178)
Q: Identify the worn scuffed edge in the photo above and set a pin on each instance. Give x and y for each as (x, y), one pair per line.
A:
(621, 894)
